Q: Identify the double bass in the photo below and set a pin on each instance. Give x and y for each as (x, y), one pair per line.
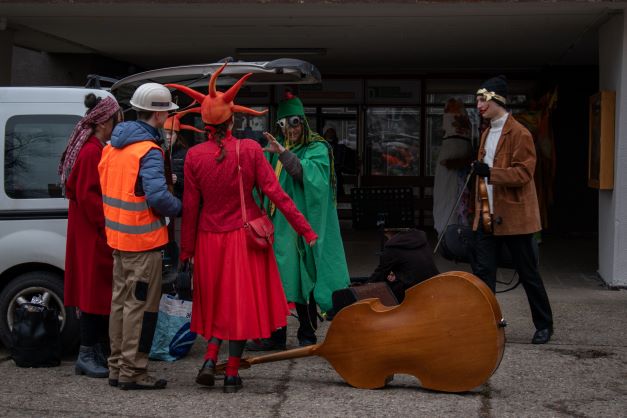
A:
(448, 332)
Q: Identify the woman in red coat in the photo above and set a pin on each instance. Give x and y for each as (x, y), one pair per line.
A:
(88, 259)
(238, 293)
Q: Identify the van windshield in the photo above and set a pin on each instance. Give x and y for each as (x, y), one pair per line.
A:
(33, 148)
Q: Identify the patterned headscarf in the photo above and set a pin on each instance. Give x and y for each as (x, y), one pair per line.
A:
(84, 129)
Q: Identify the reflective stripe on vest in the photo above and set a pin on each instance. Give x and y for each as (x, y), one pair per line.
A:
(132, 206)
(130, 224)
(130, 229)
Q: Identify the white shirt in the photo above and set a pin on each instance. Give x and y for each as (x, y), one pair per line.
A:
(491, 142)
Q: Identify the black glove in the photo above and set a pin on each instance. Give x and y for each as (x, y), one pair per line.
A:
(481, 169)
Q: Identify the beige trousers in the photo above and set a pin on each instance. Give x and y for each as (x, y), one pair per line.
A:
(134, 309)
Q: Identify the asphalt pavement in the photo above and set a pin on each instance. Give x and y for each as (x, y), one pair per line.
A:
(582, 372)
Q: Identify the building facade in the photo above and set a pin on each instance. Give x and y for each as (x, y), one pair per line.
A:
(388, 68)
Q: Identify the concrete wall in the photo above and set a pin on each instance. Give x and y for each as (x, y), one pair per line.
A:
(6, 54)
(35, 68)
(613, 203)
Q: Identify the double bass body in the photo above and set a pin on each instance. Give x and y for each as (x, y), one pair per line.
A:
(447, 332)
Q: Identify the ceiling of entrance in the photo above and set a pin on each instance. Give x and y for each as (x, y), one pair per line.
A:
(339, 36)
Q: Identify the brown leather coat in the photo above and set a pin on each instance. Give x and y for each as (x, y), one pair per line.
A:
(515, 200)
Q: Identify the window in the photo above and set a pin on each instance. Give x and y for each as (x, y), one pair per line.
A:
(250, 126)
(340, 129)
(435, 111)
(312, 117)
(33, 148)
(393, 141)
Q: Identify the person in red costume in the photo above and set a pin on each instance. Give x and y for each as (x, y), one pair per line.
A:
(88, 259)
(237, 290)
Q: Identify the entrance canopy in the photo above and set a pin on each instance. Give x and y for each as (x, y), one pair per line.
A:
(356, 37)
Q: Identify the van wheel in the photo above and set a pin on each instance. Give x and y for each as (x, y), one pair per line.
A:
(37, 283)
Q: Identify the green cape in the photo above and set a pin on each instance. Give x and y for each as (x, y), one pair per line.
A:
(321, 269)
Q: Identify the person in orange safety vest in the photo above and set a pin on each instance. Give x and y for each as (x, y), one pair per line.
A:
(136, 201)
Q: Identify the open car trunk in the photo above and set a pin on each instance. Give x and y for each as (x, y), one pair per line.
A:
(280, 71)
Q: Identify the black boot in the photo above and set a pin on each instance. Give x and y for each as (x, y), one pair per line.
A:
(102, 354)
(277, 341)
(232, 384)
(206, 374)
(308, 323)
(88, 365)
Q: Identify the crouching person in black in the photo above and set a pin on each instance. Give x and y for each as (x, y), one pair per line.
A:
(406, 260)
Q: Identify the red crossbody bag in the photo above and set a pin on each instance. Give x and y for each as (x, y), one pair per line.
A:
(260, 231)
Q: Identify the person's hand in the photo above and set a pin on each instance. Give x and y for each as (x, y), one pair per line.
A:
(481, 169)
(174, 178)
(313, 242)
(273, 145)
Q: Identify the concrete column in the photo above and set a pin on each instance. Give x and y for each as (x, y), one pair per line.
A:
(613, 203)
(6, 53)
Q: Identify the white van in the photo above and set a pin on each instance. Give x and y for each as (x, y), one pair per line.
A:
(35, 123)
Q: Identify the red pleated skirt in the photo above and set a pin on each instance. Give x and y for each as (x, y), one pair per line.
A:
(238, 293)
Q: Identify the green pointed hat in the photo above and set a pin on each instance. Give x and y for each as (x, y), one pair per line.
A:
(291, 106)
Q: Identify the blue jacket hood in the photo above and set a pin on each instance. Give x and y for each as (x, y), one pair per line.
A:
(127, 133)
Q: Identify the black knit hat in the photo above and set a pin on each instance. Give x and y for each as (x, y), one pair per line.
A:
(498, 87)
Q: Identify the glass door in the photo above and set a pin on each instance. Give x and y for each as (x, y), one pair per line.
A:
(338, 125)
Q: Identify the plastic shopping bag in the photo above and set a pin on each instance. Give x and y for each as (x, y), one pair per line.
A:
(173, 338)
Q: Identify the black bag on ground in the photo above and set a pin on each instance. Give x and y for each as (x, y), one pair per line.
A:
(35, 337)
(345, 297)
(458, 245)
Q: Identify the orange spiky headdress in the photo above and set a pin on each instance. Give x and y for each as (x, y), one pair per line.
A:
(217, 107)
(173, 123)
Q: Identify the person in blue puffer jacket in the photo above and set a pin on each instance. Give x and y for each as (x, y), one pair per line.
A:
(151, 180)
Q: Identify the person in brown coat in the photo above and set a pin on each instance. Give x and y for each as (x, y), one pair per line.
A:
(506, 163)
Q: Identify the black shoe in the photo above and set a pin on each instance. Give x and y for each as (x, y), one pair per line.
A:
(113, 378)
(264, 344)
(88, 364)
(206, 374)
(232, 384)
(542, 336)
(144, 382)
(304, 342)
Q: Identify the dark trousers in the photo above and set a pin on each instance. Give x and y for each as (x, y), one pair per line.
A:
(308, 320)
(308, 323)
(94, 329)
(484, 265)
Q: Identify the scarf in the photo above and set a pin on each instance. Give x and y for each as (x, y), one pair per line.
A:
(100, 113)
(308, 137)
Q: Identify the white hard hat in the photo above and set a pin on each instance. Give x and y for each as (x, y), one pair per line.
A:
(153, 97)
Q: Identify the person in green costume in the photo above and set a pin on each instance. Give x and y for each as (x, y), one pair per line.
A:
(303, 163)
